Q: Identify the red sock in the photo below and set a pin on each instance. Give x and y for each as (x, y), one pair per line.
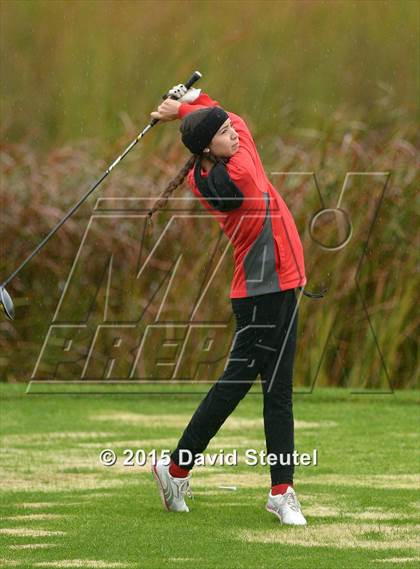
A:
(280, 488)
(177, 471)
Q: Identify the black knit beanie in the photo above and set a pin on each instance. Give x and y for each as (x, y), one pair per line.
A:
(199, 127)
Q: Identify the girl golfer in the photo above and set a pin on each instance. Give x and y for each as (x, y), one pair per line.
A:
(226, 174)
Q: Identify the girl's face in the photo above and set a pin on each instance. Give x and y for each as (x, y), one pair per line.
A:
(225, 143)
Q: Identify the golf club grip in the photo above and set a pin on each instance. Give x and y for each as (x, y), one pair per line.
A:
(193, 79)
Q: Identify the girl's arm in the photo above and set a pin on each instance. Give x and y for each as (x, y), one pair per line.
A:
(202, 102)
(170, 109)
(241, 164)
(240, 167)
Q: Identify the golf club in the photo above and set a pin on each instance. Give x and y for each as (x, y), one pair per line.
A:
(6, 302)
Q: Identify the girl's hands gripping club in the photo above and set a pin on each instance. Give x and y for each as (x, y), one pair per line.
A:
(168, 110)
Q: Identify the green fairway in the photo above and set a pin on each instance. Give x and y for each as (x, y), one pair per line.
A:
(62, 508)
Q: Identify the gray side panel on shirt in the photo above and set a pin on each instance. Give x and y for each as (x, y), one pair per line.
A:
(260, 261)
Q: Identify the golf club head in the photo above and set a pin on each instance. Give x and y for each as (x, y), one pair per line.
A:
(6, 303)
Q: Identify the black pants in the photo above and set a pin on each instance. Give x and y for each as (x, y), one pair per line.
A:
(265, 344)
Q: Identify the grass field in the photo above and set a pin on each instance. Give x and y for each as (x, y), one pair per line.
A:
(61, 508)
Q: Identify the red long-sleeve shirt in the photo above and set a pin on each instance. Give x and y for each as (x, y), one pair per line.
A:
(268, 252)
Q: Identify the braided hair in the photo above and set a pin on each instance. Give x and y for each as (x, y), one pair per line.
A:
(171, 187)
(193, 119)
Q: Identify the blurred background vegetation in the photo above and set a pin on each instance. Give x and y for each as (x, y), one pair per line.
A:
(325, 87)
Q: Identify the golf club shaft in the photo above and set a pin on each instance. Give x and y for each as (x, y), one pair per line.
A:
(194, 77)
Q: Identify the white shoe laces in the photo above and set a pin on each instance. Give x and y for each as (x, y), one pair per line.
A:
(292, 501)
(184, 488)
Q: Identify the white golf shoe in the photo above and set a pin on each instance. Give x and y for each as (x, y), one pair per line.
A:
(286, 507)
(172, 490)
